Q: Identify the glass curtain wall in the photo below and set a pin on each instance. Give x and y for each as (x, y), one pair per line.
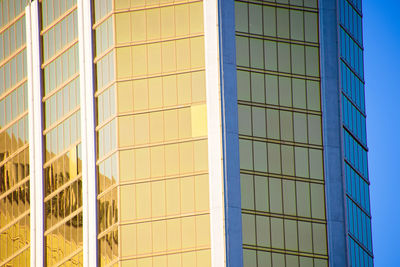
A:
(14, 136)
(106, 128)
(61, 134)
(153, 200)
(280, 133)
(354, 132)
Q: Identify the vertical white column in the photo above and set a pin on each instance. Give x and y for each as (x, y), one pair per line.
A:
(87, 133)
(215, 158)
(35, 133)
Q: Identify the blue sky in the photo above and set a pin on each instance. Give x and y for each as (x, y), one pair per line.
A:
(382, 72)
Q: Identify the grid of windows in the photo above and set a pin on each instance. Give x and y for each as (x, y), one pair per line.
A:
(351, 53)
(12, 38)
(9, 10)
(355, 143)
(53, 10)
(152, 134)
(61, 70)
(14, 147)
(59, 35)
(354, 120)
(107, 156)
(352, 21)
(62, 164)
(13, 72)
(280, 134)
(352, 87)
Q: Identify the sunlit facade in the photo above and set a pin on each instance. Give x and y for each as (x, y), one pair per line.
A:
(14, 137)
(183, 133)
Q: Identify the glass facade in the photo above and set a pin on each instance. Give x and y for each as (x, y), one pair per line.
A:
(354, 132)
(155, 189)
(280, 134)
(14, 145)
(61, 134)
(152, 163)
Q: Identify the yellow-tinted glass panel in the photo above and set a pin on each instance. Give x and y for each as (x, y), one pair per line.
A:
(155, 177)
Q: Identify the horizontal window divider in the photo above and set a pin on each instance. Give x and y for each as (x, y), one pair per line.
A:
(108, 230)
(161, 40)
(103, 54)
(360, 244)
(353, 103)
(107, 190)
(101, 20)
(191, 70)
(107, 155)
(276, 39)
(104, 88)
(280, 142)
(149, 111)
(355, 8)
(359, 206)
(15, 153)
(11, 22)
(356, 171)
(63, 221)
(59, 53)
(277, 73)
(11, 56)
(162, 178)
(280, 176)
(10, 224)
(60, 154)
(61, 120)
(8, 125)
(353, 71)
(59, 88)
(360, 45)
(14, 188)
(11, 89)
(277, 107)
(57, 20)
(265, 3)
(163, 218)
(70, 256)
(364, 146)
(175, 3)
(15, 254)
(105, 122)
(283, 216)
(178, 141)
(284, 251)
(166, 253)
(59, 189)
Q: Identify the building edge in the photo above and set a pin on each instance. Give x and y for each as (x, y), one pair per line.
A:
(332, 134)
(215, 152)
(35, 133)
(88, 134)
(230, 134)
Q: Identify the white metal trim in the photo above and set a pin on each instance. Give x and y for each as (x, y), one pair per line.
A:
(35, 133)
(215, 157)
(89, 184)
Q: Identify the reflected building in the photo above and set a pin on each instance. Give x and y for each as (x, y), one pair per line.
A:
(183, 133)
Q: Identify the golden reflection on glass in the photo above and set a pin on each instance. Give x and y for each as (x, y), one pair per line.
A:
(159, 189)
(63, 159)
(14, 150)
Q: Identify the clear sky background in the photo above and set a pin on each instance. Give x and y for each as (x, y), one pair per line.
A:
(382, 73)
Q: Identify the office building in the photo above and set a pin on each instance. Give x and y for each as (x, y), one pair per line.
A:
(183, 133)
